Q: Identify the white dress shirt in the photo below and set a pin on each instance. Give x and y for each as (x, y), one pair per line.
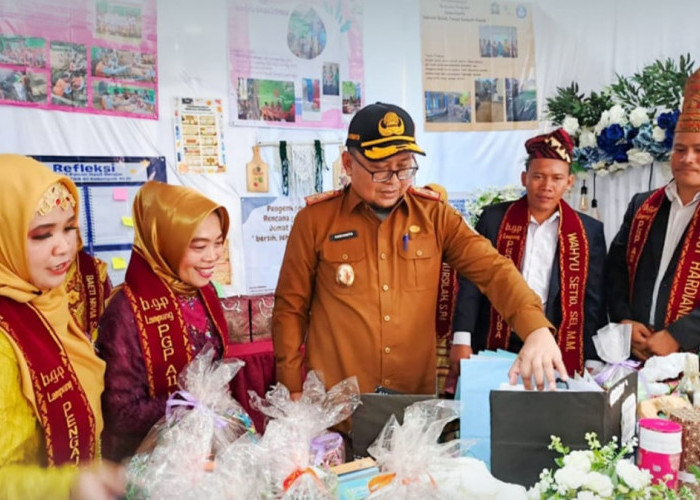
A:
(538, 259)
(678, 219)
(540, 247)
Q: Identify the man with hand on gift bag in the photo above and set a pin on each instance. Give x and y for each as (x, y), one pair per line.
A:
(560, 252)
(653, 265)
(359, 280)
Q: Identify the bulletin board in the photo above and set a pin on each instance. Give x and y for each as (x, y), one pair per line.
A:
(107, 187)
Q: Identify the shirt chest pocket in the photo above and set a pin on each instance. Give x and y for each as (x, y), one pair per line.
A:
(343, 267)
(419, 261)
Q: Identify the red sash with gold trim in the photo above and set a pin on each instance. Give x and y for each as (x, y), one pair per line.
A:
(95, 294)
(573, 271)
(447, 298)
(162, 331)
(685, 288)
(63, 408)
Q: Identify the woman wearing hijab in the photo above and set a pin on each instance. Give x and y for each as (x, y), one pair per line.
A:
(165, 312)
(50, 378)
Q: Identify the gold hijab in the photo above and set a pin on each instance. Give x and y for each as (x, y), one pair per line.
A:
(24, 182)
(165, 219)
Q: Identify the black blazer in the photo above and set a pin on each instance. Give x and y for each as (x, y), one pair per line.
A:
(472, 313)
(686, 330)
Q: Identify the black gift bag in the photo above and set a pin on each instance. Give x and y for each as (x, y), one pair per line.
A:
(522, 423)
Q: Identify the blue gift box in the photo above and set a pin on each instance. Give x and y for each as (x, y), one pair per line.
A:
(355, 485)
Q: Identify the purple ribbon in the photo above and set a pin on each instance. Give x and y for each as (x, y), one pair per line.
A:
(605, 373)
(187, 400)
(324, 444)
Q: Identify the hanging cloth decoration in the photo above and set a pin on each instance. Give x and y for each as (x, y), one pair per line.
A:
(285, 168)
(319, 163)
(301, 170)
(257, 173)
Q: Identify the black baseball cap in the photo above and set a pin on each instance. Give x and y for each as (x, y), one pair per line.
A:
(382, 130)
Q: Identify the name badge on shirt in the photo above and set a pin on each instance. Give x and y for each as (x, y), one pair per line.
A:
(343, 236)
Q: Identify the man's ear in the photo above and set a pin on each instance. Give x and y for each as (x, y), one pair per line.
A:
(347, 163)
(570, 183)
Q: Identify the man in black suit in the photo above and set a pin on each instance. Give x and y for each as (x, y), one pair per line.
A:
(658, 246)
(560, 252)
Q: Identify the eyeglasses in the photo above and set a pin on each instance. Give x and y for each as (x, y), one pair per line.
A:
(402, 174)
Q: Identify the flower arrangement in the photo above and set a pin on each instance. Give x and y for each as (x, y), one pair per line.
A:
(601, 472)
(476, 201)
(629, 123)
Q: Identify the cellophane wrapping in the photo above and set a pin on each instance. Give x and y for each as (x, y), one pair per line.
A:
(181, 456)
(289, 455)
(415, 466)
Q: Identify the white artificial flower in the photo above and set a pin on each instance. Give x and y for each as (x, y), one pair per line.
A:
(633, 477)
(579, 460)
(535, 492)
(600, 168)
(638, 117)
(587, 495)
(637, 157)
(587, 139)
(569, 478)
(617, 167)
(658, 134)
(599, 483)
(618, 115)
(570, 124)
(603, 122)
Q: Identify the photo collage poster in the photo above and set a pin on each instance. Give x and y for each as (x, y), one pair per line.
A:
(86, 56)
(305, 69)
(478, 62)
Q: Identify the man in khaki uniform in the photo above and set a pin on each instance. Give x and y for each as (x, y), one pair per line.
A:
(359, 280)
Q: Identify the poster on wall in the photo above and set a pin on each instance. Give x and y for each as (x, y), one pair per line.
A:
(295, 64)
(199, 136)
(478, 62)
(107, 186)
(86, 56)
(267, 222)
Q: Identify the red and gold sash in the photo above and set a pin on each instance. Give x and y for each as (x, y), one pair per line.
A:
(62, 405)
(446, 302)
(573, 270)
(94, 291)
(447, 298)
(685, 288)
(162, 330)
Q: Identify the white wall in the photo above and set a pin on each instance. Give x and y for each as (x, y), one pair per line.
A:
(587, 41)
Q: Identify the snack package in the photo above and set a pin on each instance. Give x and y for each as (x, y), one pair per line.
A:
(202, 420)
(297, 447)
(416, 467)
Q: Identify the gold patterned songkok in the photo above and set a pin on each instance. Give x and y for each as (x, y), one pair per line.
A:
(689, 120)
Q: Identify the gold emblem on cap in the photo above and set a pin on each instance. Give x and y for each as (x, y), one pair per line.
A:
(558, 148)
(345, 275)
(391, 124)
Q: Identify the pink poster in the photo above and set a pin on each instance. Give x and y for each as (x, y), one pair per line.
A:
(89, 56)
(295, 64)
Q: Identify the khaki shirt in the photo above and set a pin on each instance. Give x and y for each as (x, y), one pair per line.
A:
(382, 327)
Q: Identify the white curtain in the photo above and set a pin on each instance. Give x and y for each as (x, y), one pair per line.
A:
(614, 191)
